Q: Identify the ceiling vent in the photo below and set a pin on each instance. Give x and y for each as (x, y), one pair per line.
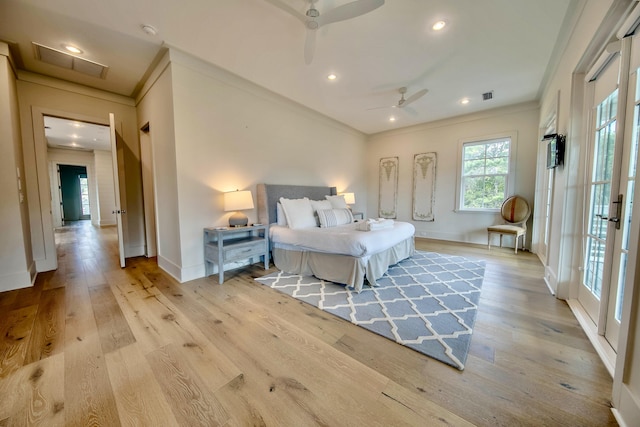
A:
(487, 96)
(70, 62)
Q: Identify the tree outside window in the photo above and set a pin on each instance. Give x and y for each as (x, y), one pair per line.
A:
(485, 172)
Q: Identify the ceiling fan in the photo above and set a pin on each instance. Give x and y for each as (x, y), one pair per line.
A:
(403, 103)
(312, 19)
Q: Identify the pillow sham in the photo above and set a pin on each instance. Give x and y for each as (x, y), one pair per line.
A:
(320, 204)
(281, 219)
(298, 212)
(334, 217)
(337, 202)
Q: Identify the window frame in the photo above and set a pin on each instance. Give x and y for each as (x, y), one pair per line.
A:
(510, 181)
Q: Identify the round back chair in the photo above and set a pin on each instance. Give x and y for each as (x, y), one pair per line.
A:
(515, 212)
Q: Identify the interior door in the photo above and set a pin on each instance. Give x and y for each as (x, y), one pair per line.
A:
(116, 188)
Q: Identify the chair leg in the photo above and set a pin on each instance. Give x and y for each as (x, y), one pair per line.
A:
(488, 241)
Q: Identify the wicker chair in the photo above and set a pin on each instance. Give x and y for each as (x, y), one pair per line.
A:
(515, 212)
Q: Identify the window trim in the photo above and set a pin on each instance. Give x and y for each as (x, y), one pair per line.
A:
(510, 183)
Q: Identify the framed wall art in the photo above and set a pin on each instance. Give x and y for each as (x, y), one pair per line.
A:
(388, 190)
(424, 186)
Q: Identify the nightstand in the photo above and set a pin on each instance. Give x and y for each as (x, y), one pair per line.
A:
(223, 245)
(357, 215)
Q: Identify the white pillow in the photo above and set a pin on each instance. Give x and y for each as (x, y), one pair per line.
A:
(317, 205)
(337, 202)
(298, 212)
(320, 204)
(333, 217)
(281, 219)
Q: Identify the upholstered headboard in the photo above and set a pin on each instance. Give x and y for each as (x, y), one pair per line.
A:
(269, 194)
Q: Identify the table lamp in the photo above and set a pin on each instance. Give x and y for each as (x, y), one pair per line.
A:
(237, 201)
(349, 198)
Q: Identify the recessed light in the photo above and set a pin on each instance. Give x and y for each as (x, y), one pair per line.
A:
(392, 119)
(332, 76)
(71, 48)
(465, 101)
(439, 25)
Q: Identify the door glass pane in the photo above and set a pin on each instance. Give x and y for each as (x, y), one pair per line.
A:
(621, 279)
(600, 193)
(628, 206)
(595, 266)
(84, 194)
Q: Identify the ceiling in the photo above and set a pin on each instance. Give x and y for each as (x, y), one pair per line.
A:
(498, 46)
(72, 134)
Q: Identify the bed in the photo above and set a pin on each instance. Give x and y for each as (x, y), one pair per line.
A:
(341, 254)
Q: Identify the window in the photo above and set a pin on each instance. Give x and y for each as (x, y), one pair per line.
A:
(485, 173)
(84, 195)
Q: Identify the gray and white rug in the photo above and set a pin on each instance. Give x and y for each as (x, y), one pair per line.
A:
(427, 302)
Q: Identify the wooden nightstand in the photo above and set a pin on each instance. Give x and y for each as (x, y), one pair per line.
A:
(358, 215)
(223, 245)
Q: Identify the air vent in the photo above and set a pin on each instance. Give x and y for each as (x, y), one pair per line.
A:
(70, 62)
(487, 96)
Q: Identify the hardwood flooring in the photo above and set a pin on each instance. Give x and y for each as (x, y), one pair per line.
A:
(93, 344)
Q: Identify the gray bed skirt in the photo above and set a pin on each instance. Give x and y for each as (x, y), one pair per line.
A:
(344, 269)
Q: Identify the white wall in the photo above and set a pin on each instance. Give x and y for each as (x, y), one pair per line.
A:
(231, 134)
(17, 269)
(155, 106)
(443, 137)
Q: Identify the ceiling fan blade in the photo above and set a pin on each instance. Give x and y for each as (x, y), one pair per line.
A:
(309, 46)
(410, 111)
(414, 97)
(380, 108)
(283, 6)
(348, 11)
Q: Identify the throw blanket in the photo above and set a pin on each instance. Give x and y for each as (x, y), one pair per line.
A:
(375, 224)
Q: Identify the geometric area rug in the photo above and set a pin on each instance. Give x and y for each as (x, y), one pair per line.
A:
(427, 302)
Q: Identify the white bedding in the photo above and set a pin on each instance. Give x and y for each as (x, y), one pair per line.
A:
(343, 239)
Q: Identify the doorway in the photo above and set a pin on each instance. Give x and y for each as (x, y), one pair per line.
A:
(609, 189)
(74, 192)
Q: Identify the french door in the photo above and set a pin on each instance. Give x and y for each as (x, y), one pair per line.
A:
(610, 184)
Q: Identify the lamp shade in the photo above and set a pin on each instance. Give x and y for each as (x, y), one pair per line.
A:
(238, 200)
(349, 198)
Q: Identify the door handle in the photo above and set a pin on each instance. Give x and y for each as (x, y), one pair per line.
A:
(616, 219)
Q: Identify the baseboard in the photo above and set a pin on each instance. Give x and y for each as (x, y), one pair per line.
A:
(627, 410)
(599, 343)
(47, 264)
(10, 282)
(618, 417)
(131, 251)
(169, 267)
(550, 280)
(192, 273)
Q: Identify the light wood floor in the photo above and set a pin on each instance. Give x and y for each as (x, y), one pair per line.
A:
(93, 344)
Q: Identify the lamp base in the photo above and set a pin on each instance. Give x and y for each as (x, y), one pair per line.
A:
(238, 219)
